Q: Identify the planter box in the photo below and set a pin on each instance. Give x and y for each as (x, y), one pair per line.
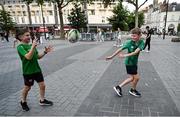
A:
(177, 39)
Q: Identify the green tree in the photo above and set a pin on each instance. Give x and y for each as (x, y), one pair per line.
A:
(120, 17)
(140, 19)
(77, 17)
(6, 22)
(133, 2)
(131, 20)
(178, 28)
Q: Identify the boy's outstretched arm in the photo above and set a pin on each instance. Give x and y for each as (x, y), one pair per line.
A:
(114, 54)
(130, 54)
(46, 50)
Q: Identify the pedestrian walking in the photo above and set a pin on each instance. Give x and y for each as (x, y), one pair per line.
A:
(2, 36)
(100, 35)
(14, 42)
(7, 36)
(148, 39)
(133, 46)
(31, 69)
(118, 38)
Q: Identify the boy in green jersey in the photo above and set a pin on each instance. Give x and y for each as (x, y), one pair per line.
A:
(31, 69)
(133, 46)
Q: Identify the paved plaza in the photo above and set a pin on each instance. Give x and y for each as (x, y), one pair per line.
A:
(80, 81)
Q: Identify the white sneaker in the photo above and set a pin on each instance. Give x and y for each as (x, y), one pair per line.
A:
(147, 51)
(114, 45)
(121, 45)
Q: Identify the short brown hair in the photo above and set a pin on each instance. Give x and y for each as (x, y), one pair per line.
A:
(136, 31)
(20, 32)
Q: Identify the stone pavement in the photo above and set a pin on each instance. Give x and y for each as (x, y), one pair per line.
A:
(80, 81)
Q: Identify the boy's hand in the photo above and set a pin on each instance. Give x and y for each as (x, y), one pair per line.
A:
(48, 49)
(34, 44)
(109, 57)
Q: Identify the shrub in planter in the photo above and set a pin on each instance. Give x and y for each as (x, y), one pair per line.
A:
(176, 39)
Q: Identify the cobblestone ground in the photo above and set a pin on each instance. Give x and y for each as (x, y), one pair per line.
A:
(80, 81)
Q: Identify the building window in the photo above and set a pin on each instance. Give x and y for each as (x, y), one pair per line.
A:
(23, 21)
(172, 18)
(99, 5)
(92, 12)
(19, 13)
(103, 19)
(37, 13)
(50, 4)
(50, 12)
(164, 18)
(40, 19)
(34, 5)
(67, 12)
(24, 13)
(47, 19)
(17, 19)
(92, 4)
(35, 19)
(33, 13)
(13, 13)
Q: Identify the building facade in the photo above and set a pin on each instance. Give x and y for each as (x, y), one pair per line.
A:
(155, 17)
(96, 13)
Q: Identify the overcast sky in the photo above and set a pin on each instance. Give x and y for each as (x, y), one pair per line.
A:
(131, 7)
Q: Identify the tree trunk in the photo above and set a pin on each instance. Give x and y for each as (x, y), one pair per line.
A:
(29, 15)
(55, 14)
(43, 21)
(136, 14)
(86, 13)
(62, 36)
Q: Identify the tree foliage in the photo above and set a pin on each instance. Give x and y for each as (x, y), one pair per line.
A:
(178, 28)
(119, 19)
(77, 17)
(6, 22)
(131, 20)
(133, 2)
(124, 19)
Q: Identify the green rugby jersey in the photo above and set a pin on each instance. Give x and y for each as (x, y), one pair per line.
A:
(131, 46)
(29, 66)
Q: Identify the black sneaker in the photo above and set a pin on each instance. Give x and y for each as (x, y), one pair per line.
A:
(45, 103)
(134, 92)
(24, 106)
(118, 90)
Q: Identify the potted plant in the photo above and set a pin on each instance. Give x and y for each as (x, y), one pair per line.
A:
(177, 39)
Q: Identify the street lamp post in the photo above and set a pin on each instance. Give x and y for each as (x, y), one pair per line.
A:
(164, 30)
